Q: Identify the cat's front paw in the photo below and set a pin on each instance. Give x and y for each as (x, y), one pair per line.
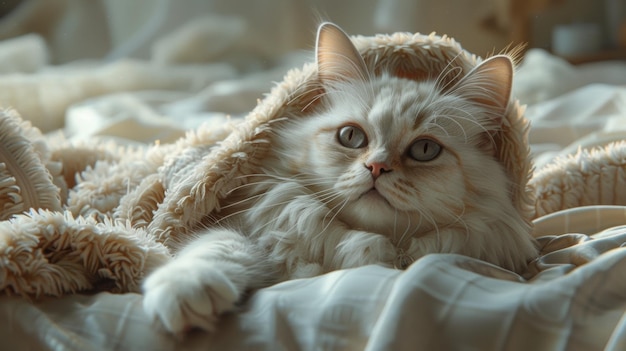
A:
(363, 248)
(182, 299)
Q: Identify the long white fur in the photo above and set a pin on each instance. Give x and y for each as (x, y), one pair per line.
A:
(312, 210)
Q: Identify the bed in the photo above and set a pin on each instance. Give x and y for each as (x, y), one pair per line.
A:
(572, 297)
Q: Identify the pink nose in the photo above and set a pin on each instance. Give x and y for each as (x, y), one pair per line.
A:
(378, 168)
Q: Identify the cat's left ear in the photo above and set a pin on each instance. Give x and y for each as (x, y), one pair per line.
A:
(337, 57)
(489, 83)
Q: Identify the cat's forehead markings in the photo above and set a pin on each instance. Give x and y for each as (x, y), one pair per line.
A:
(404, 98)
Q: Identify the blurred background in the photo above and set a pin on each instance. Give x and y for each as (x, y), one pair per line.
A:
(581, 30)
(147, 70)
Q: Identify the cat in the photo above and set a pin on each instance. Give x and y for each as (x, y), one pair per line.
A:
(386, 170)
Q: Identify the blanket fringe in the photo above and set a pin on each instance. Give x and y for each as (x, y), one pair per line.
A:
(53, 253)
(590, 177)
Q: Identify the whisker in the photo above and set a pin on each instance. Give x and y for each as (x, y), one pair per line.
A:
(250, 209)
(428, 216)
(408, 227)
(470, 119)
(453, 120)
(343, 204)
(281, 181)
(303, 90)
(395, 222)
(317, 97)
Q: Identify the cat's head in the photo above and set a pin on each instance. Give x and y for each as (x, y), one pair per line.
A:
(385, 152)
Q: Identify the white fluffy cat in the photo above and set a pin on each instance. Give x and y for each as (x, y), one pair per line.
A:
(385, 171)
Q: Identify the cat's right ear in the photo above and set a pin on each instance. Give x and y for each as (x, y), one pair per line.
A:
(489, 83)
(337, 57)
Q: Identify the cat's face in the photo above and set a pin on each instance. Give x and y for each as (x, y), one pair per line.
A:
(394, 152)
(391, 155)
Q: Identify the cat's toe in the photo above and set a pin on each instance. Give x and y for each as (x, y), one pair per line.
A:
(165, 307)
(362, 248)
(182, 303)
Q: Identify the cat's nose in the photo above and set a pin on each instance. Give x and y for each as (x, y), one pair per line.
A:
(378, 168)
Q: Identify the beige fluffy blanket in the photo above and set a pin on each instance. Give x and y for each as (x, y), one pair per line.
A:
(99, 216)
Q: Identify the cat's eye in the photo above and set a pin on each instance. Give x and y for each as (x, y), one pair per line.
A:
(352, 137)
(424, 150)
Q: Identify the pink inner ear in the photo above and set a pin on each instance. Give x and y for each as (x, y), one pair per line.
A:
(488, 84)
(337, 57)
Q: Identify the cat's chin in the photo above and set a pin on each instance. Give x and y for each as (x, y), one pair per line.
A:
(373, 198)
(371, 211)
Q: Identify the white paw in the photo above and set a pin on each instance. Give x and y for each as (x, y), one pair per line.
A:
(182, 298)
(362, 248)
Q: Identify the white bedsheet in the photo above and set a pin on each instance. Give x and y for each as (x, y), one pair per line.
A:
(442, 302)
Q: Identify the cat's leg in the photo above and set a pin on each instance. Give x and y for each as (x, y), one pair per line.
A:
(207, 278)
(359, 248)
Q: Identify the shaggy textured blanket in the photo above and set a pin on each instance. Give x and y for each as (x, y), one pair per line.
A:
(99, 216)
